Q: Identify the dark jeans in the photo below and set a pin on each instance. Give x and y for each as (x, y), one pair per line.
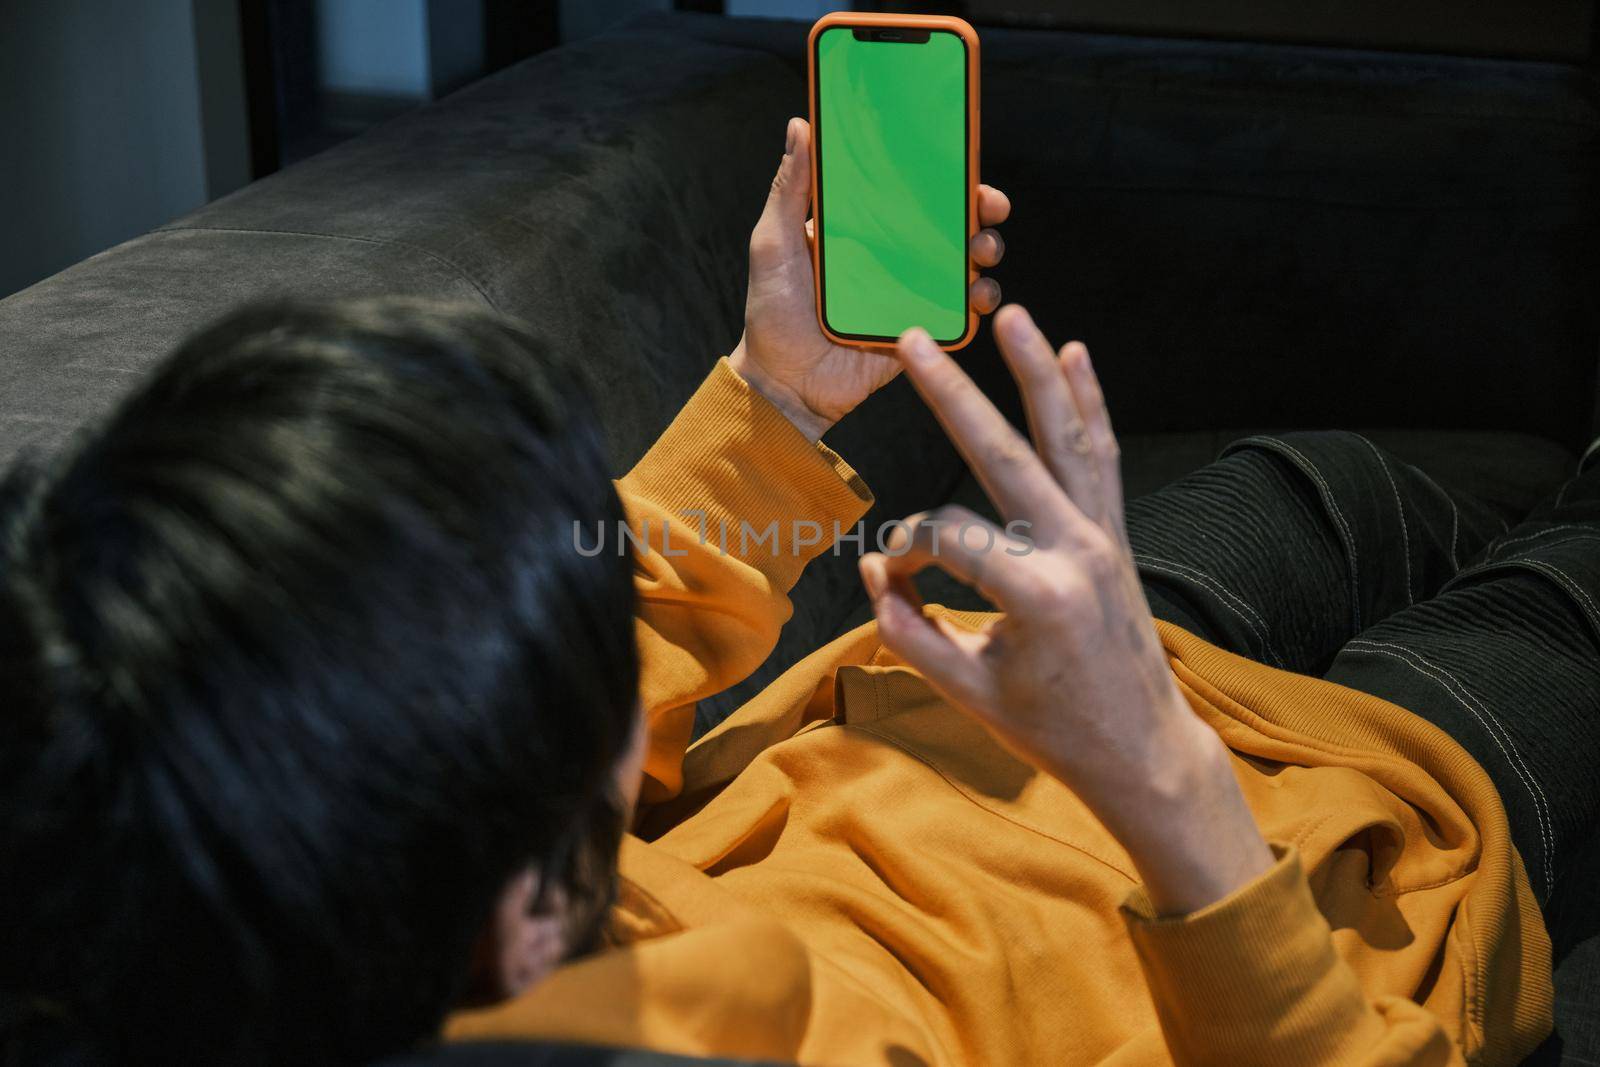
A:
(1322, 554)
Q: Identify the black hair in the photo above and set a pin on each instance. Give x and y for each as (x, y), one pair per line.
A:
(298, 668)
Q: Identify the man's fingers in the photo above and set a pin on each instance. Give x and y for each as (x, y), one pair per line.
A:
(985, 295)
(987, 248)
(965, 545)
(994, 207)
(781, 228)
(1104, 452)
(1059, 432)
(951, 661)
(1005, 465)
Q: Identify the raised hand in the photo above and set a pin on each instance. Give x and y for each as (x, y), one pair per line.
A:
(784, 354)
(1072, 677)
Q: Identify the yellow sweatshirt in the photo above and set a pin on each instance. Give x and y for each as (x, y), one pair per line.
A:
(849, 871)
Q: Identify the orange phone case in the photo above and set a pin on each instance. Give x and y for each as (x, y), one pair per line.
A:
(943, 23)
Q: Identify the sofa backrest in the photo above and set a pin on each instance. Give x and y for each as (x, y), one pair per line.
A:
(1340, 238)
(1344, 238)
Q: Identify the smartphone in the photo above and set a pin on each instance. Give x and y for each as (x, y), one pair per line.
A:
(894, 127)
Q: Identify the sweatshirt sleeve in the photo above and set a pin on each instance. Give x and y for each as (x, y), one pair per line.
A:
(1255, 979)
(724, 511)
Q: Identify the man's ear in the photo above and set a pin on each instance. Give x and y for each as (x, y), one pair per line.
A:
(522, 942)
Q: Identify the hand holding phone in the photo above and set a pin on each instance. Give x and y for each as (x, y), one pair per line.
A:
(786, 353)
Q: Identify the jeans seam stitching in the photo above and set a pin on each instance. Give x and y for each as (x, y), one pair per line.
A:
(1491, 566)
(1567, 581)
(1400, 507)
(1262, 632)
(1489, 722)
(1525, 538)
(1309, 468)
(1497, 733)
(1455, 517)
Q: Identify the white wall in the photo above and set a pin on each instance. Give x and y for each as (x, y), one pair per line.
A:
(100, 123)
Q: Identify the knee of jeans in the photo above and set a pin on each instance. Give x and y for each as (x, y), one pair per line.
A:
(1324, 456)
(1345, 444)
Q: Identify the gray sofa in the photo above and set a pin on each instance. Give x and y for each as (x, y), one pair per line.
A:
(1250, 237)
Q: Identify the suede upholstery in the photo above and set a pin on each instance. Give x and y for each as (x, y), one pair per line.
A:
(1248, 236)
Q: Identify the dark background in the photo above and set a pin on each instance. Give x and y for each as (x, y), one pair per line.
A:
(119, 117)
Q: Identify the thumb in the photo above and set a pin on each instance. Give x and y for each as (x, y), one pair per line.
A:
(783, 221)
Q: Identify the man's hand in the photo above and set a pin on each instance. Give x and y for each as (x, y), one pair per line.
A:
(784, 354)
(1072, 677)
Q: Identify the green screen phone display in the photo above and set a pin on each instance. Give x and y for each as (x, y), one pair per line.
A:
(892, 170)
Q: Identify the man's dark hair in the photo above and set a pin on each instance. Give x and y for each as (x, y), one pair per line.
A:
(298, 668)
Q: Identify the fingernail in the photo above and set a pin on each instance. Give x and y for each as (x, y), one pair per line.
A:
(871, 578)
(789, 138)
(1019, 323)
(919, 347)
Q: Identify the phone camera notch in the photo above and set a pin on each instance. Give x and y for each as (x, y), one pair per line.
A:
(892, 36)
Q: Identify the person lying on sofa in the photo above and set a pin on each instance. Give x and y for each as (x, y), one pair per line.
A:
(324, 719)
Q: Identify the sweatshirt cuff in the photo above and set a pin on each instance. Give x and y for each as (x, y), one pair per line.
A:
(736, 474)
(1253, 977)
